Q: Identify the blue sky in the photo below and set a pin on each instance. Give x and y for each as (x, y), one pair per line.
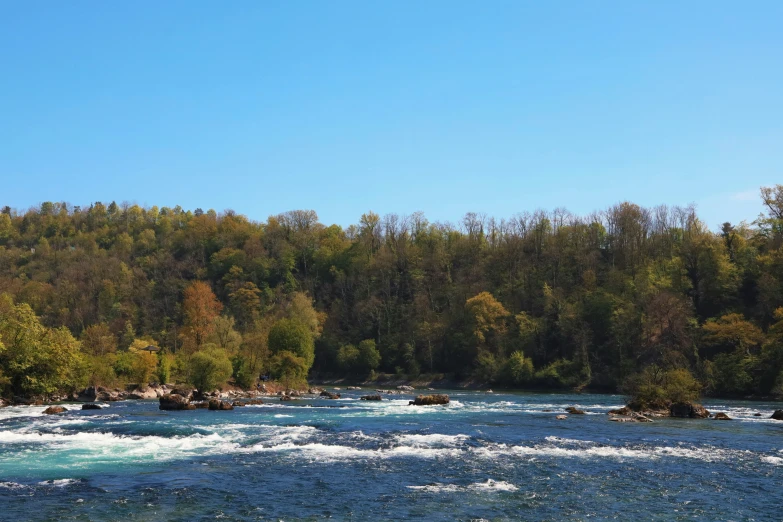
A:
(347, 106)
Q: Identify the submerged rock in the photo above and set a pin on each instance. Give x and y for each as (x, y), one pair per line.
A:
(430, 400)
(371, 397)
(778, 415)
(217, 405)
(175, 402)
(91, 406)
(53, 410)
(687, 410)
(330, 395)
(573, 410)
(721, 416)
(631, 417)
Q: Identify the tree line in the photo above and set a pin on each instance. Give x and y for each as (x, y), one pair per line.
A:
(621, 298)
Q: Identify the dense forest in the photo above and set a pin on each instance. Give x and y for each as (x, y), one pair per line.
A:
(619, 298)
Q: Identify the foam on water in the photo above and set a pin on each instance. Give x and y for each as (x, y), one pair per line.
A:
(489, 485)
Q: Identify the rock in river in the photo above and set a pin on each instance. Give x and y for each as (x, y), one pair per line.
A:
(216, 405)
(688, 410)
(778, 415)
(574, 410)
(429, 400)
(174, 402)
(376, 397)
(52, 410)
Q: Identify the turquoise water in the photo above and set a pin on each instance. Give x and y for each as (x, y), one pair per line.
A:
(485, 456)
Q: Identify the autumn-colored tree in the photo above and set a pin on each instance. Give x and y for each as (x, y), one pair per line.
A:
(200, 307)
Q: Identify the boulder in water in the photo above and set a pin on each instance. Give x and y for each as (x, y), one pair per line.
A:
(573, 410)
(376, 397)
(329, 395)
(236, 404)
(217, 405)
(254, 402)
(721, 416)
(430, 400)
(286, 398)
(53, 410)
(561, 417)
(91, 406)
(405, 388)
(175, 402)
(778, 415)
(625, 410)
(687, 410)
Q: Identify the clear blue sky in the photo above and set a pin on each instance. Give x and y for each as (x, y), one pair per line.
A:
(349, 106)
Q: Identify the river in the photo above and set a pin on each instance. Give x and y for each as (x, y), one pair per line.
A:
(485, 456)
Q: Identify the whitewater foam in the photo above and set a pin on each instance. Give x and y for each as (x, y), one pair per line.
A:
(489, 485)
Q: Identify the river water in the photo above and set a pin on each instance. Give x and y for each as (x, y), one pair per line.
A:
(485, 456)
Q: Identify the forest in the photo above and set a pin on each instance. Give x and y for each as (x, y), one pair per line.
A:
(621, 298)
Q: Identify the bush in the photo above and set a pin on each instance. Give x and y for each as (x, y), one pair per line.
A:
(518, 369)
(164, 368)
(243, 377)
(136, 367)
(656, 388)
(210, 368)
(487, 367)
(291, 335)
(563, 374)
(289, 369)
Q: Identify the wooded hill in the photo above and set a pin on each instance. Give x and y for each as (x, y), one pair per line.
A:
(543, 299)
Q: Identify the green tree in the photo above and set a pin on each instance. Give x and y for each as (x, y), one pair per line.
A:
(209, 368)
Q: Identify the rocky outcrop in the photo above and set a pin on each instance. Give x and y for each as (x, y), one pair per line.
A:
(145, 393)
(216, 405)
(430, 400)
(254, 402)
(687, 410)
(721, 416)
(53, 410)
(91, 406)
(328, 395)
(573, 410)
(3, 404)
(183, 391)
(175, 402)
(99, 393)
(237, 404)
(371, 397)
(314, 391)
(778, 415)
(200, 405)
(625, 410)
